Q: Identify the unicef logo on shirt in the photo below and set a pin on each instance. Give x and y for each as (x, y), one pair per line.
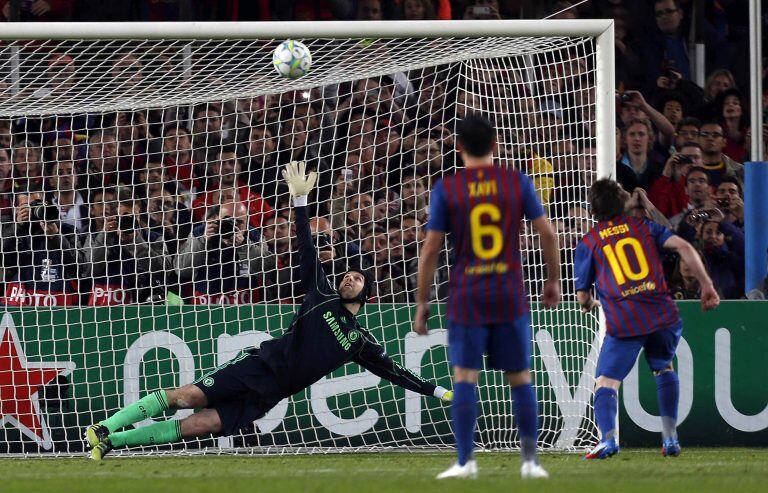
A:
(353, 335)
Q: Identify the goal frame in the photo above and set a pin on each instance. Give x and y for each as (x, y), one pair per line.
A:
(602, 30)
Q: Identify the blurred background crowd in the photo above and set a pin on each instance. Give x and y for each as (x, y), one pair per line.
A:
(185, 203)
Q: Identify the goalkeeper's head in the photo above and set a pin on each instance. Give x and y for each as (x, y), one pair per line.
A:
(356, 286)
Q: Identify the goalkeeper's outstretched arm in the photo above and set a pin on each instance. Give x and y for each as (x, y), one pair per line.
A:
(300, 185)
(374, 359)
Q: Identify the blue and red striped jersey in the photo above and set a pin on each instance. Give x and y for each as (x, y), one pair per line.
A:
(622, 258)
(482, 208)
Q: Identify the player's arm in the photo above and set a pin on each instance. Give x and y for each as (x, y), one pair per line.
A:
(709, 296)
(374, 359)
(584, 270)
(427, 265)
(534, 212)
(430, 253)
(300, 185)
(551, 247)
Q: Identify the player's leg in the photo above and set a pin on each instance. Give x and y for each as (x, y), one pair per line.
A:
(466, 346)
(660, 349)
(168, 431)
(510, 351)
(617, 356)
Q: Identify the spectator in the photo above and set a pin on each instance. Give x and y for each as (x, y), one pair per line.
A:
(483, 9)
(716, 163)
(262, 168)
(686, 130)
(40, 10)
(132, 135)
(102, 165)
(701, 204)
(126, 71)
(278, 285)
(177, 150)
(718, 81)
(169, 221)
(668, 193)
(683, 285)
(672, 107)
(62, 182)
(332, 252)
(665, 48)
(415, 197)
(735, 123)
(26, 157)
(360, 213)
(722, 245)
(225, 262)
(730, 200)
(40, 258)
(420, 10)
(59, 76)
(206, 131)
(635, 168)
(120, 262)
(637, 108)
(224, 178)
(369, 10)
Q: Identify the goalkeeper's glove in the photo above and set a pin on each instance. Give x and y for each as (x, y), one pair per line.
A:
(299, 183)
(443, 394)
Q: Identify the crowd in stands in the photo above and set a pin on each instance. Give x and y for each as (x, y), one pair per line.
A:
(186, 203)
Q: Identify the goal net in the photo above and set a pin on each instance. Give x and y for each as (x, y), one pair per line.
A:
(147, 236)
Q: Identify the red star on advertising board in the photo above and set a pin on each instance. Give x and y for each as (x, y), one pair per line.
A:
(20, 381)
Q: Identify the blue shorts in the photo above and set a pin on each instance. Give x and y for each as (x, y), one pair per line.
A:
(618, 354)
(508, 346)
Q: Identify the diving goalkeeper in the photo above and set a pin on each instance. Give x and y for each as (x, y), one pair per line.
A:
(323, 336)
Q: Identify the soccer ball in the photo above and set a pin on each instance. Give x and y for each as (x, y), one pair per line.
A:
(292, 59)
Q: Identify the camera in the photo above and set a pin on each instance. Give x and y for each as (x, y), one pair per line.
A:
(227, 227)
(683, 159)
(126, 223)
(699, 216)
(323, 241)
(625, 98)
(40, 211)
(723, 203)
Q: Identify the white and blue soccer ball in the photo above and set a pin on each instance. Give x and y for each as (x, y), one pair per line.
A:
(292, 59)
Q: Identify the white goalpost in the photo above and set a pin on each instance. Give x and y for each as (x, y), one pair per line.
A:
(146, 236)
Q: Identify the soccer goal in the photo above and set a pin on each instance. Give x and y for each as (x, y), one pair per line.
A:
(153, 142)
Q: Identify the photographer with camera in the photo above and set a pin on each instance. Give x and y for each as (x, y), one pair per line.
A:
(121, 265)
(40, 258)
(722, 246)
(730, 200)
(699, 201)
(668, 192)
(224, 259)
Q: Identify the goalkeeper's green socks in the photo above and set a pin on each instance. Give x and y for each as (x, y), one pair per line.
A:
(155, 434)
(148, 406)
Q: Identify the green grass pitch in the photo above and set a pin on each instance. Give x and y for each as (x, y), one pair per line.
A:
(697, 470)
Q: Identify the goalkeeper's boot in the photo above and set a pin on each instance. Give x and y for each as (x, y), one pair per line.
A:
(100, 450)
(671, 448)
(95, 434)
(531, 470)
(468, 470)
(605, 449)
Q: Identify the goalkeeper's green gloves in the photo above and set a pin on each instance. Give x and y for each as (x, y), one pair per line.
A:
(299, 183)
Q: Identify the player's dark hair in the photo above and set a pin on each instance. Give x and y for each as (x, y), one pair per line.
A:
(475, 134)
(606, 199)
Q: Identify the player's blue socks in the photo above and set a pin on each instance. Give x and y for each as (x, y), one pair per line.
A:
(526, 413)
(464, 414)
(606, 400)
(668, 392)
